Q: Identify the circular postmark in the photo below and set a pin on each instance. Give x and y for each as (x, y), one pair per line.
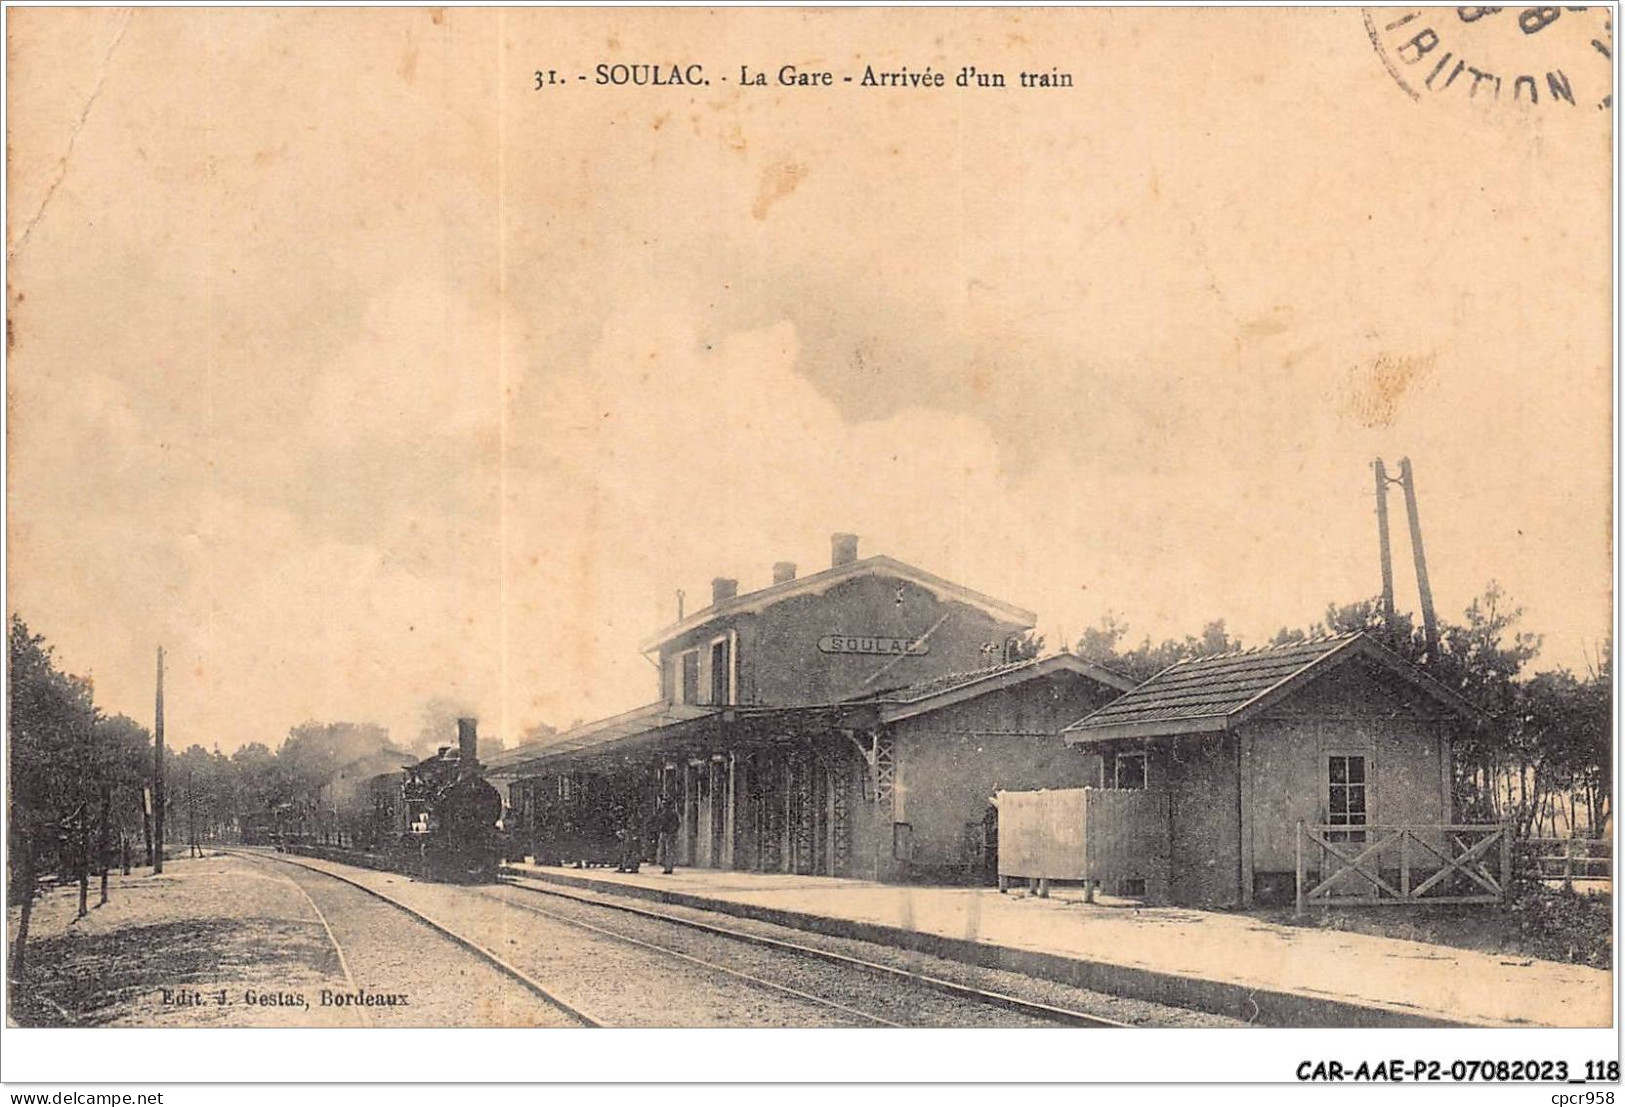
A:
(1550, 58)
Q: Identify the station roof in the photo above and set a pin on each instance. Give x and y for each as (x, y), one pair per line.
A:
(602, 732)
(676, 731)
(814, 583)
(1216, 692)
(951, 688)
(670, 730)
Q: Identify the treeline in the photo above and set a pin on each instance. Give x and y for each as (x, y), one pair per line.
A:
(1543, 763)
(80, 778)
(76, 776)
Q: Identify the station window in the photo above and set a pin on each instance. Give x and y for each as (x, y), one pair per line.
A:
(1347, 792)
(689, 687)
(1130, 771)
(720, 676)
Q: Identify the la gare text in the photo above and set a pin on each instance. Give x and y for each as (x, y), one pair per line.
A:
(686, 75)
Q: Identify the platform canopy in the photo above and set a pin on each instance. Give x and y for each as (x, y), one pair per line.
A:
(662, 730)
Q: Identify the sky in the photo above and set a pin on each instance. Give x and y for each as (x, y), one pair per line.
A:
(364, 375)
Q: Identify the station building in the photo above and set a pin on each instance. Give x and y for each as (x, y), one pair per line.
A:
(1229, 753)
(854, 721)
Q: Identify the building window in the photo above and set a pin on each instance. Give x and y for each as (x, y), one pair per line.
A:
(1130, 771)
(1347, 785)
(688, 690)
(720, 672)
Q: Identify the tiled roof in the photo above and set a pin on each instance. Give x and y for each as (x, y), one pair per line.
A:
(947, 682)
(1207, 693)
(1214, 685)
(938, 692)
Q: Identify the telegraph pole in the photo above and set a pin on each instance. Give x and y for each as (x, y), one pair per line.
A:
(81, 831)
(1430, 621)
(81, 824)
(1384, 548)
(105, 815)
(158, 773)
(191, 817)
(105, 846)
(146, 821)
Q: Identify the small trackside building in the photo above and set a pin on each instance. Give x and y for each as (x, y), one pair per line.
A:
(1335, 731)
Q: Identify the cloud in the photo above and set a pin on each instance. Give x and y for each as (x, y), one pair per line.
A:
(444, 395)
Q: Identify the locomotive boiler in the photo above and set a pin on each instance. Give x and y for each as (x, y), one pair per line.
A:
(451, 813)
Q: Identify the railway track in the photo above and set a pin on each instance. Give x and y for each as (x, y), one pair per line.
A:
(490, 957)
(878, 992)
(1043, 1012)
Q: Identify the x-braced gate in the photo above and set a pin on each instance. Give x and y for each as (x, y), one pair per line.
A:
(1402, 864)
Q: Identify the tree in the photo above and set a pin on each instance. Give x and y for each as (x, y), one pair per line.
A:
(126, 748)
(258, 783)
(53, 769)
(1102, 644)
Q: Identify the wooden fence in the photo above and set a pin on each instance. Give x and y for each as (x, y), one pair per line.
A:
(1567, 859)
(1402, 864)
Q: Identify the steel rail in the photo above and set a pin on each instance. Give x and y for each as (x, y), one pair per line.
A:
(1003, 1000)
(344, 964)
(480, 951)
(758, 981)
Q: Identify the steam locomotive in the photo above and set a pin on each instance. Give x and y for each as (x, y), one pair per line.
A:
(436, 819)
(451, 815)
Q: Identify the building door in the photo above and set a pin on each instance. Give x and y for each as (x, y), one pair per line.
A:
(717, 790)
(690, 847)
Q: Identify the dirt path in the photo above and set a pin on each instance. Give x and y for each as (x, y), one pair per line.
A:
(166, 950)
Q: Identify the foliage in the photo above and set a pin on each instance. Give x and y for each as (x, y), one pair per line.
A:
(63, 750)
(1102, 644)
(1536, 921)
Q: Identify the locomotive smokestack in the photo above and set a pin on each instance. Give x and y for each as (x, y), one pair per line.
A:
(468, 743)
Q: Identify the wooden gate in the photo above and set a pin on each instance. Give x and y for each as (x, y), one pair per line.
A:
(1402, 864)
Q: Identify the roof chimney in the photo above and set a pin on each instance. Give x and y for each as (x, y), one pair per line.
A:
(723, 588)
(843, 549)
(467, 747)
(783, 571)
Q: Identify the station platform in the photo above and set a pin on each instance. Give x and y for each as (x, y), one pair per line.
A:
(1228, 963)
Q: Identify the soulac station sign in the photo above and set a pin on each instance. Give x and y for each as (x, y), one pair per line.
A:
(872, 643)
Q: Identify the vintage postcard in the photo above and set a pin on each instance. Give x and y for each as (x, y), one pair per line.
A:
(849, 517)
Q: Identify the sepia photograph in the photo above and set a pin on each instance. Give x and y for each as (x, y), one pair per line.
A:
(545, 518)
